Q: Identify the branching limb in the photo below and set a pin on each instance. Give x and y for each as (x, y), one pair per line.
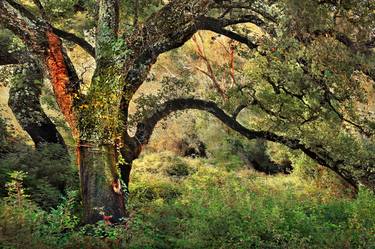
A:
(41, 9)
(107, 30)
(18, 57)
(75, 39)
(146, 127)
(47, 48)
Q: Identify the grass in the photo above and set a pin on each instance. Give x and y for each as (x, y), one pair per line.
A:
(193, 203)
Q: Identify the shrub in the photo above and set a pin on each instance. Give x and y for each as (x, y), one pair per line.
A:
(208, 208)
(49, 173)
(242, 209)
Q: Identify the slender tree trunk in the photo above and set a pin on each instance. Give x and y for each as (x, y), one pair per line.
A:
(102, 194)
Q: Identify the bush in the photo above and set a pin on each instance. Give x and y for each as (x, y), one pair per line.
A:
(208, 208)
(242, 209)
(156, 176)
(24, 225)
(49, 170)
(165, 164)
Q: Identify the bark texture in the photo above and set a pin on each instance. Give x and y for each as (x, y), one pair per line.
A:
(24, 101)
(46, 47)
(103, 198)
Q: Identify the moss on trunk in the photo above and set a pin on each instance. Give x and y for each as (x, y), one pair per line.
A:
(103, 198)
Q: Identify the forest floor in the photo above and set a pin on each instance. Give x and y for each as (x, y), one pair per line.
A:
(195, 203)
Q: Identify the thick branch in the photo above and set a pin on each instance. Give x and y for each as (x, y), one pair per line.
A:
(249, 6)
(223, 22)
(24, 102)
(107, 28)
(24, 12)
(218, 26)
(146, 127)
(234, 36)
(47, 47)
(75, 39)
(167, 29)
(8, 58)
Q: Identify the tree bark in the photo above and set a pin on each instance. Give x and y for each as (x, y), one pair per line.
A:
(24, 102)
(103, 197)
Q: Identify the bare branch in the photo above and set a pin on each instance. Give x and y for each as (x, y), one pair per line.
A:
(210, 72)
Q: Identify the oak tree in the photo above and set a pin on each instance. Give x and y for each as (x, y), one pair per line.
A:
(308, 66)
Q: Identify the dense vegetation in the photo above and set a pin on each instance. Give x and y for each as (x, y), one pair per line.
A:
(187, 124)
(192, 203)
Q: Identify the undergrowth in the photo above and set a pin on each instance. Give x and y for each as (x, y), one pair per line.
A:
(193, 203)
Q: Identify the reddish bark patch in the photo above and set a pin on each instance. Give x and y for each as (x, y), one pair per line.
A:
(60, 79)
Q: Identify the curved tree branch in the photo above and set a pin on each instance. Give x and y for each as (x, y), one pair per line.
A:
(24, 12)
(147, 125)
(169, 28)
(233, 35)
(218, 26)
(63, 34)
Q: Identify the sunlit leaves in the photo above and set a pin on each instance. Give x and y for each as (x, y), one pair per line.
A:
(100, 117)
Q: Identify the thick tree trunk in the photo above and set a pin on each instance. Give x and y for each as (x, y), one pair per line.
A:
(103, 197)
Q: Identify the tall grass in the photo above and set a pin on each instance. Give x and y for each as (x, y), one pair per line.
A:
(193, 203)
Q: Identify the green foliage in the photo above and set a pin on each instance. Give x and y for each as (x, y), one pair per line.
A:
(171, 87)
(63, 218)
(208, 208)
(72, 14)
(14, 187)
(18, 215)
(144, 10)
(49, 173)
(156, 177)
(307, 86)
(240, 209)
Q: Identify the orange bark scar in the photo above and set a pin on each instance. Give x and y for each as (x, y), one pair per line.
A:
(60, 79)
